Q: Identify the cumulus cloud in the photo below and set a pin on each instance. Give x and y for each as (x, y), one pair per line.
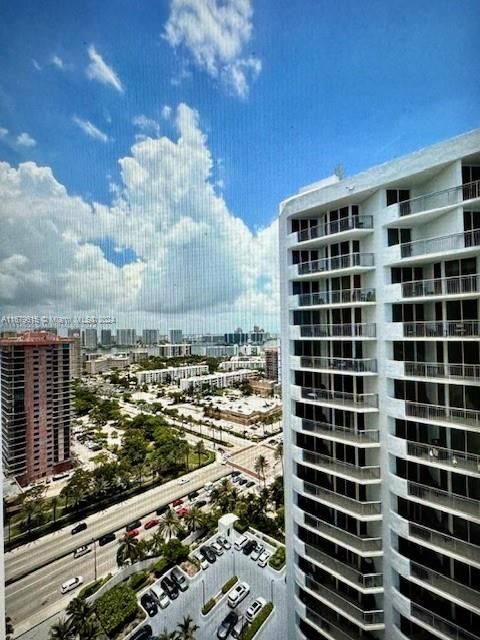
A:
(90, 129)
(58, 62)
(194, 260)
(26, 140)
(215, 34)
(99, 71)
(147, 125)
(3, 132)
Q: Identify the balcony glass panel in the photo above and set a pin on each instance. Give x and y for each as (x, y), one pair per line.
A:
(338, 262)
(438, 497)
(355, 365)
(447, 329)
(452, 242)
(457, 415)
(445, 542)
(441, 625)
(344, 224)
(456, 285)
(340, 296)
(362, 330)
(341, 501)
(369, 435)
(341, 398)
(363, 544)
(439, 199)
(442, 370)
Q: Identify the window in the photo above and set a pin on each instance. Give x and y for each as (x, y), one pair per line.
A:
(397, 195)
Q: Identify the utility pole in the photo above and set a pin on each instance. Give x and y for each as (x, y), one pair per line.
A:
(95, 557)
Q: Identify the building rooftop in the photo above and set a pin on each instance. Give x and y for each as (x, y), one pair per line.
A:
(35, 338)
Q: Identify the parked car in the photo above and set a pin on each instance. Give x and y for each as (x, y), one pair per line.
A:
(133, 525)
(249, 484)
(255, 608)
(160, 596)
(240, 542)
(192, 495)
(239, 627)
(71, 584)
(224, 542)
(208, 553)
(238, 593)
(242, 481)
(257, 552)
(169, 587)
(177, 502)
(181, 512)
(236, 479)
(162, 510)
(81, 551)
(108, 537)
(217, 548)
(200, 503)
(227, 625)
(249, 547)
(178, 577)
(263, 559)
(202, 560)
(149, 604)
(133, 533)
(151, 523)
(235, 473)
(81, 526)
(144, 633)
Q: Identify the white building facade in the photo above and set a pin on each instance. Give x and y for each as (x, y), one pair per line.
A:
(171, 374)
(380, 288)
(220, 380)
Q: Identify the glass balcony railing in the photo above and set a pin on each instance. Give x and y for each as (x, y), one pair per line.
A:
(354, 365)
(361, 330)
(459, 460)
(338, 500)
(442, 370)
(452, 242)
(345, 468)
(343, 433)
(439, 199)
(361, 543)
(440, 625)
(442, 329)
(339, 226)
(445, 542)
(341, 398)
(456, 415)
(347, 261)
(457, 285)
(446, 499)
(363, 580)
(332, 628)
(445, 585)
(340, 296)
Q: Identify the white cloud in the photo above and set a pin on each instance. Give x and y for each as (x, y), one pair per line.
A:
(3, 132)
(36, 65)
(99, 70)
(147, 125)
(58, 62)
(26, 140)
(90, 129)
(197, 263)
(166, 112)
(215, 33)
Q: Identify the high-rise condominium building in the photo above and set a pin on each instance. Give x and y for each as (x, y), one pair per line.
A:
(36, 404)
(271, 362)
(106, 337)
(149, 337)
(380, 286)
(126, 337)
(89, 338)
(175, 336)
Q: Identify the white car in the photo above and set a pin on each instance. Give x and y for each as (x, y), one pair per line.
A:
(263, 559)
(71, 584)
(160, 596)
(81, 551)
(238, 593)
(224, 542)
(239, 542)
(256, 553)
(203, 562)
(217, 548)
(255, 608)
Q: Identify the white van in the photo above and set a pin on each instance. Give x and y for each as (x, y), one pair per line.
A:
(160, 595)
(208, 487)
(240, 542)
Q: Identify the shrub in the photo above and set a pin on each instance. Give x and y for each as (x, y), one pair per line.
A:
(116, 608)
(240, 526)
(229, 584)
(174, 551)
(138, 580)
(252, 629)
(160, 567)
(89, 589)
(208, 606)
(278, 559)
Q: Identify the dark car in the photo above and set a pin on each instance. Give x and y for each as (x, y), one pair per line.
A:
(179, 579)
(193, 495)
(144, 633)
(249, 547)
(250, 483)
(108, 537)
(163, 509)
(81, 526)
(133, 525)
(149, 604)
(169, 587)
(235, 473)
(200, 503)
(227, 625)
(208, 553)
(242, 481)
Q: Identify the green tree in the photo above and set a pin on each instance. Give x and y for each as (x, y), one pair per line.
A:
(174, 551)
(193, 519)
(200, 450)
(169, 525)
(79, 611)
(8, 628)
(276, 492)
(79, 486)
(168, 636)
(61, 630)
(279, 454)
(134, 447)
(187, 628)
(33, 505)
(261, 466)
(90, 630)
(129, 551)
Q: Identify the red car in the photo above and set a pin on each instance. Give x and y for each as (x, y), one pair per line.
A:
(151, 523)
(177, 502)
(132, 534)
(181, 512)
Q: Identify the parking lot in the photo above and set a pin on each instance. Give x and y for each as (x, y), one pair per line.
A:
(264, 582)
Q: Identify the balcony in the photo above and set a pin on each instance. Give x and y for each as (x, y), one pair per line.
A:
(442, 287)
(332, 630)
(338, 467)
(453, 460)
(344, 225)
(438, 498)
(362, 545)
(436, 540)
(336, 432)
(462, 329)
(364, 331)
(345, 605)
(362, 510)
(341, 398)
(439, 413)
(440, 199)
(445, 586)
(344, 365)
(371, 581)
(441, 244)
(337, 298)
(469, 373)
(351, 263)
(440, 625)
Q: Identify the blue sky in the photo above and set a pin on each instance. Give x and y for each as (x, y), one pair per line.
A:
(283, 92)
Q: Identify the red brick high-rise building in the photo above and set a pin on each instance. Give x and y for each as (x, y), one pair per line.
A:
(36, 404)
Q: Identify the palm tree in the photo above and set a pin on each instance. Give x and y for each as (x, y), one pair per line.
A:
(194, 519)
(79, 610)
(199, 449)
(54, 504)
(8, 628)
(168, 636)
(261, 466)
(129, 551)
(169, 525)
(90, 630)
(186, 629)
(279, 454)
(61, 630)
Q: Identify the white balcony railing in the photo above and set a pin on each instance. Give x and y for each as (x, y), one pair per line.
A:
(442, 370)
(456, 415)
(354, 365)
(439, 624)
(364, 580)
(442, 329)
(447, 543)
(332, 629)
(341, 398)
(340, 501)
(363, 544)
(457, 285)
(447, 499)
(361, 330)
(446, 585)
(332, 463)
(347, 261)
(337, 431)
(339, 226)
(459, 460)
(340, 296)
(440, 244)
(439, 199)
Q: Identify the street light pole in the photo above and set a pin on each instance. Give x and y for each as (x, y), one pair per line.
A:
(271, 589)
(203, 591)
(95, 557)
